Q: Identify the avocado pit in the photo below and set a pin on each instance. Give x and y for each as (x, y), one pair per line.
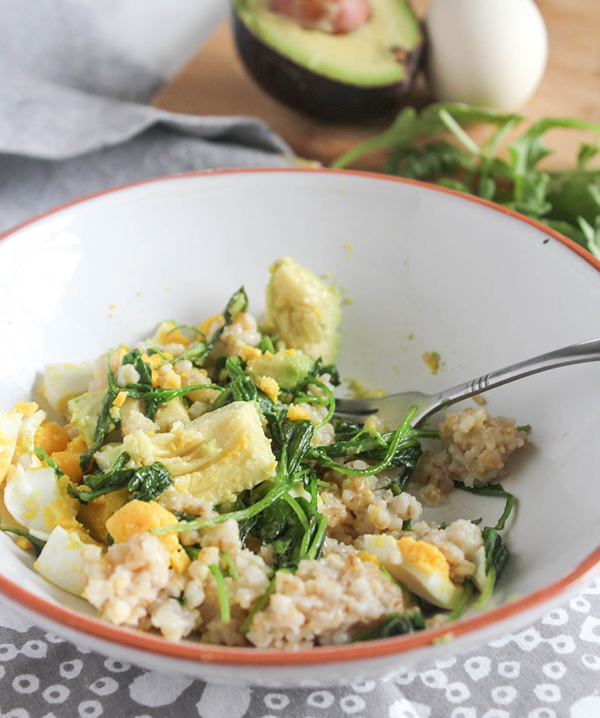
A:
(337, 17)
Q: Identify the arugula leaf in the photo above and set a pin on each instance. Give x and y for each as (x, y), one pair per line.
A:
(41, 453)
(109, 419)
(222, 592)
(402, 433)
(267, 344)
(394, 624)
(149, 482)
(240, 386)
(37, 543)
(492, 490)
(145, 483)
(260, 605)
(496, 557)
(463, 602)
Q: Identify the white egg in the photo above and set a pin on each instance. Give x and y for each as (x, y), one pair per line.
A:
(33, 498)
(24, 455)
(10, 422)
(61, 561)
(490, 53)
(64, 381)
(419, 566)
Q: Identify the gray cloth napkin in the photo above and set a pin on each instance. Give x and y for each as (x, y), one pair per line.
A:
(72, 122)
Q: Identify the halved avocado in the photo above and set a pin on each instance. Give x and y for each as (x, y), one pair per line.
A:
(339, 77)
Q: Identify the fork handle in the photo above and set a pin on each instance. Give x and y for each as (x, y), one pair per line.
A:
(573, 354)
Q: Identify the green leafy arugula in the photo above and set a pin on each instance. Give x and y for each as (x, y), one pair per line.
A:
(566, 200)
(496, 557)
(492, 490)
(145, 483)
(37, 543)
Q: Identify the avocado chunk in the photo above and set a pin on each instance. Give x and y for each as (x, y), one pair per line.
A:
(85, 412)
(302, 310)
(219, 454)
(330, 75)
(289, 368)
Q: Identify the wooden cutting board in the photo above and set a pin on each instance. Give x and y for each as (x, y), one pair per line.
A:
(216, 83)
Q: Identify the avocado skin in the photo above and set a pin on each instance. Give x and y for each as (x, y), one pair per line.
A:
(316, 95)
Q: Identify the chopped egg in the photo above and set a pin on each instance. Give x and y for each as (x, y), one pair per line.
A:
(26, 439)
(61, 562)
(65, 381)
(37, 500)
(140, 516)
(10, 422)
(419, 566)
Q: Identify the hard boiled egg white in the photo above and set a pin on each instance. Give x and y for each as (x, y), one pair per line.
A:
(35, 499)
(61, 562)
(26, 439)
(10, 421)
(419, 566)
(65, 381)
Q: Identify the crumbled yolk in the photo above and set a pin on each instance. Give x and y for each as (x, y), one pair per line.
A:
(207, 323)
(270, 387)
(169, 334)
(51, 437)
(247, 353)
(26, 408)
(68, 460)
(432, 359)
(140, 516)
(295, 413)
(120, 398)
(366, 556)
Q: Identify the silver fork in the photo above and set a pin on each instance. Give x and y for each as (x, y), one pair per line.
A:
(392, 409)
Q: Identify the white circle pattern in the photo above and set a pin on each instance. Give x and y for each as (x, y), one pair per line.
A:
(352, 704)
(523, 675)
(320, 699)
(71, 669)
(548, 692)
(504, 695)
(26, 684)
(90, 709)
(591, 661)
(56, 694)
(555, 670)
(509, 669)
(277, 701)
(104, 686)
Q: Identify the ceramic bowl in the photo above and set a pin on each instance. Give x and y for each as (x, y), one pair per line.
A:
(426, 269)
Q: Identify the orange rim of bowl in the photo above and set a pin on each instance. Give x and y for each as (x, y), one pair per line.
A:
(205, 653)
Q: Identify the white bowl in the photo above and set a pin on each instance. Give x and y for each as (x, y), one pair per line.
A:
(482, 286)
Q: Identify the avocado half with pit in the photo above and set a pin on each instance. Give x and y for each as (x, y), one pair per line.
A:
(341, 77)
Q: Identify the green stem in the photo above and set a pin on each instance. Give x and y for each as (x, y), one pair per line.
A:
(399, 434)
(222, 591)
(463, 602)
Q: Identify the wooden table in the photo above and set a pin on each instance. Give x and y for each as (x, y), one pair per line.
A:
(216, 83)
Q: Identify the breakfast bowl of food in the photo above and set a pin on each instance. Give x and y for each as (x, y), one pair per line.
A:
(181, 487)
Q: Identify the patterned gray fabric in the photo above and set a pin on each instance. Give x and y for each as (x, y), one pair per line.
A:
(72, 123)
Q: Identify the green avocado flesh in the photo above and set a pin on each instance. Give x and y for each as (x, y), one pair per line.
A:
(288, 368)
(366, 57)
